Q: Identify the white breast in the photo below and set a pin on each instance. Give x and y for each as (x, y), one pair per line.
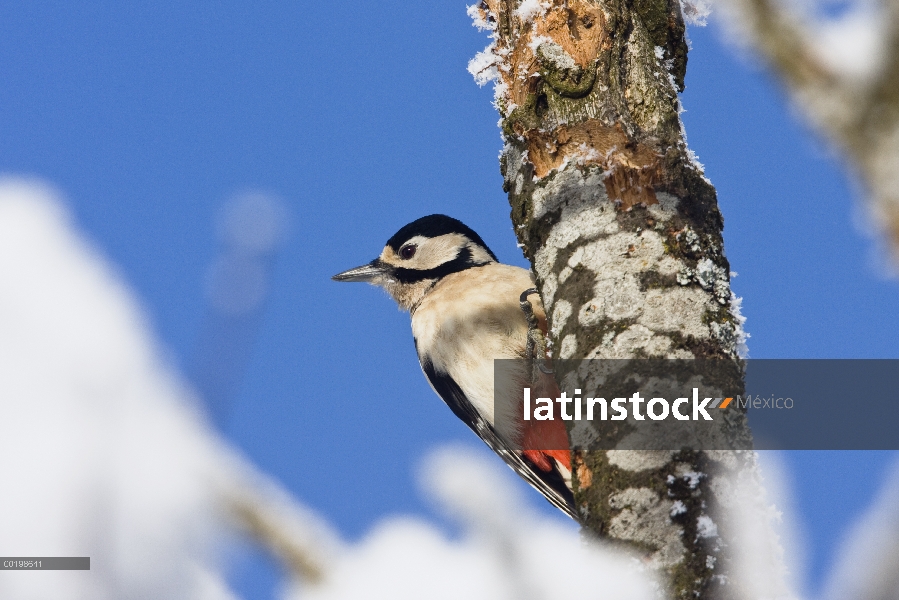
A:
(468, 320)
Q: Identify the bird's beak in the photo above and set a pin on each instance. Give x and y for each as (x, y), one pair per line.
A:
(367, 273)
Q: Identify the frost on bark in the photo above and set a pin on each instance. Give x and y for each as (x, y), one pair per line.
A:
(624, 235)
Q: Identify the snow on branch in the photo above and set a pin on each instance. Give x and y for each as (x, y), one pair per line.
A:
(108, 457)
(696, 12)
(507, 551)
(842, 71)
(868, 565)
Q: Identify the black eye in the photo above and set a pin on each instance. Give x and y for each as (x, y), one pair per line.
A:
(407, 252)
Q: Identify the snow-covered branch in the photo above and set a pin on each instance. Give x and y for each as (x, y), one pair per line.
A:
(842, 71)
(106, 453)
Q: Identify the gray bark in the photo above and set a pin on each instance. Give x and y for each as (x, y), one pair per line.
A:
(625, 238)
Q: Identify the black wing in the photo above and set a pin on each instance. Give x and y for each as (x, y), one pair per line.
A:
(550, 484)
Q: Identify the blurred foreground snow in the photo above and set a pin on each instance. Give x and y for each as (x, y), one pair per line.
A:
(506, 552)
(106, 455)
(103, 458)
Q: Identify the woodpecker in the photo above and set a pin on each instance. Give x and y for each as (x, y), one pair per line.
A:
(468, 309)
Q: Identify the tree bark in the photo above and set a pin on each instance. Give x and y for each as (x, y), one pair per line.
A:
(624, 236)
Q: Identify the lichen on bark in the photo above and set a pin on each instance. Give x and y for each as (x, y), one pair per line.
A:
(625, 239)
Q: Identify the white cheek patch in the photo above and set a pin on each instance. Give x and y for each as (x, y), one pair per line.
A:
(389, 256)
(439, 250)
(432, 252)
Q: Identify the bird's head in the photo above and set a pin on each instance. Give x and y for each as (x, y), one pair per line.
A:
(419, 255)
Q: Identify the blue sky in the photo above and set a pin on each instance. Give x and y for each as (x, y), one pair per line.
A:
(362, 117)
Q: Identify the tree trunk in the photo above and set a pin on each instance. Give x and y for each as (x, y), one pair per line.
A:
(624, 236)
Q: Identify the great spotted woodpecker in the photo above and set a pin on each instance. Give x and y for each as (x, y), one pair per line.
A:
(467, 310)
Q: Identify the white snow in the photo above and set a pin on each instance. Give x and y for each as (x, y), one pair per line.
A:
(103, 455)
(106, 454)
(692, 478)
(696, 12)
(506, 550)
(736, 309)
(501, 92)
(483, 67)
(477, 18)
(765, 551)
(530, 9)
(853, 44)
(867, 566)
(705, 527)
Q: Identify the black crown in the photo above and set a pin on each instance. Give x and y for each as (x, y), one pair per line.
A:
(435, 225)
